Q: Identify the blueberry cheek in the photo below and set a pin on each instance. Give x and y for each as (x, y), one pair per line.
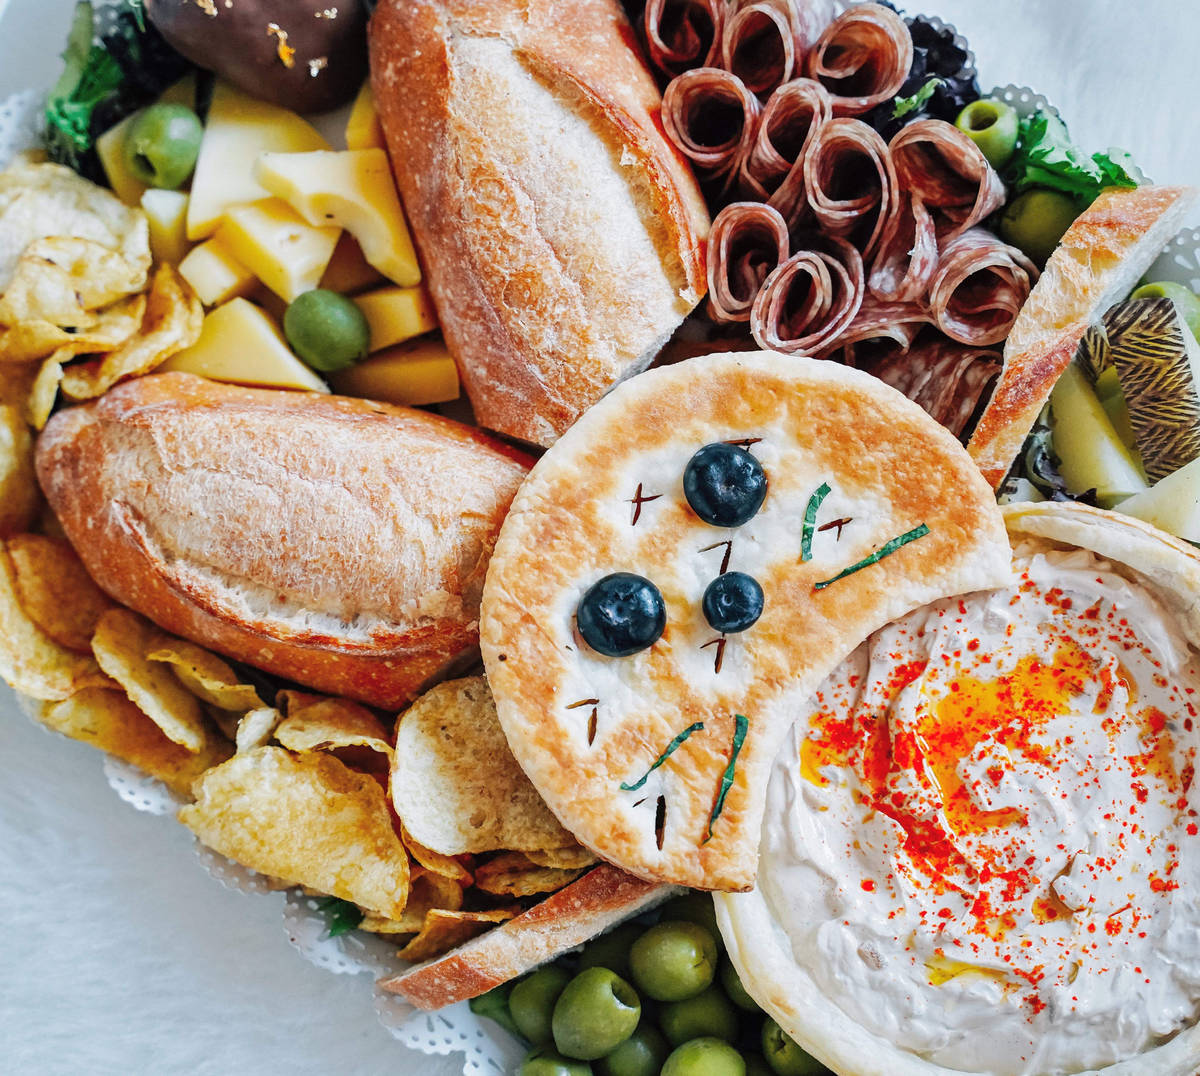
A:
(732, 602)
(724, 484)
(621, 614)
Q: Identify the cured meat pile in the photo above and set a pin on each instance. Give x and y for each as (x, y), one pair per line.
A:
(828, 236)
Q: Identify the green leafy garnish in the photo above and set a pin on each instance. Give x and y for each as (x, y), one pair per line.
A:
(740, 725)
(904, 106)
(1046, 157)
(884, 551)
(695, 727)
(341, 916)
(810, 521)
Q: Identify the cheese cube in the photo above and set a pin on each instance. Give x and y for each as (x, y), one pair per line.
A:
(241, 344)
(110, 146)
(1172, 503)
(417, 373)
(238, 129)
(276, 245)
(396, 314)
(215, 274)
(353, 189)
(348, 271)
(166, 212)
(363, 129)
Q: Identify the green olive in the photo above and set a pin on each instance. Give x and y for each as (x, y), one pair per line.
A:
(992, 126)
(732, 983)
(327, 330)
(596, 1012)
(642, 1054)
(1035, 221)
(784, 1056)
(162, 144)
(695, 906)
(1186, 300)
(704, 1057)
(494, 1005)
(756, 1066)
(543, 1061)
(611, 950)
(532, 1001)
(673, 960)
(707, 1014)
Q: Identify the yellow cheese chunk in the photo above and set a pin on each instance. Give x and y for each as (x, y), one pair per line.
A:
(1172, 503)
(241, 344)
(238, 129)
(277, 246)
(396, 315)
(348, 271)
(353, 189)
(215, 274)
(110, 146)
(363, 129)
(417, 373)
(167, 213)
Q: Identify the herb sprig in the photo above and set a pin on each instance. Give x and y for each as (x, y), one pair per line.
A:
(1046, 157)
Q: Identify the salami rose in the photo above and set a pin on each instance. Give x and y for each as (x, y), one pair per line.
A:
(711, 116)
(979, 286)
(879, 320)
(862, 58)
(747, 242)
(905, 263)
(682, 34)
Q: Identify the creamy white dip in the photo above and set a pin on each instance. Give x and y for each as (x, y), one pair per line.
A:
(982, 844)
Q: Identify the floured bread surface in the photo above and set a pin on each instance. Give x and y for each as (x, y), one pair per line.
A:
(608, 497)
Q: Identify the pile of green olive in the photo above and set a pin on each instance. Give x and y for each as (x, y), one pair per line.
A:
(644, 1000)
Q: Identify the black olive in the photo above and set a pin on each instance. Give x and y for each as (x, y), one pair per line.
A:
(724, 484)
(621, 614)
(732, 602)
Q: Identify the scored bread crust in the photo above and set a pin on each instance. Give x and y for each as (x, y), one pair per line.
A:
(588, 906)
(581, 725)
(562, 235)
(336, 542)
(1097, 262)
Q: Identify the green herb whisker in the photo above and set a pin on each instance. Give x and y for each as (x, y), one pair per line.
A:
(671, 747)
(884, 551)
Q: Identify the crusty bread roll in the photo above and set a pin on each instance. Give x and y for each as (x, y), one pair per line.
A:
(562, 234)
(339, 543)
(1097, 263)
(589, 906)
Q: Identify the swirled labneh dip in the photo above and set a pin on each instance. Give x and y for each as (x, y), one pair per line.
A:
(985, 847)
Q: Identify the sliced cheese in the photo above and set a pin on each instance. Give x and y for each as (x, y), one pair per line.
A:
(110, 146)
(215, 273)
(166, 212)
(238, 129)
(1172, 504)
(241, 344)
(348, 271)
(363, 129)
(396, 315)
(417, 373)
(286, 254)
(353, 189)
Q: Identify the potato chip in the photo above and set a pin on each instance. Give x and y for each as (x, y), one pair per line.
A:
(30, 341)
(98, 274)
(121, 642)
(204, 674)
(108, 720)
(571, 858)
(306, 818)
(325, 724)
(172, 322)
(19, 494)
(435, 862)
(427, 891)
(443, 930)
(56, 591)
(30, 661)
(256, 728)
(510, 874)
(455, 783)
(41, 296)
(43, 391)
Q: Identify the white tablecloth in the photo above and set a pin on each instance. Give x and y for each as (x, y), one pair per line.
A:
(118, 954)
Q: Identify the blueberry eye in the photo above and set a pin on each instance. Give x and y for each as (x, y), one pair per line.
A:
(732, 602)
(724, 484)
(621, 614)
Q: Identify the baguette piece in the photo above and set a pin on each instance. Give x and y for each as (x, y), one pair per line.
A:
(1098, 261)
(588, 906)
(336, 542)
(562, 234)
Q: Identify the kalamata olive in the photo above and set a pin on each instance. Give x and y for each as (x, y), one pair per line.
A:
(307, 55)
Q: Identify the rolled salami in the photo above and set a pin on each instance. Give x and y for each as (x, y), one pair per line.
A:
(806, 304)
(712, 118)
(748, 241)
(683, 34)
(879, 320)
(978, 288)
(774, 168)
(904, 265)
(758, 45)
(862, 58)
